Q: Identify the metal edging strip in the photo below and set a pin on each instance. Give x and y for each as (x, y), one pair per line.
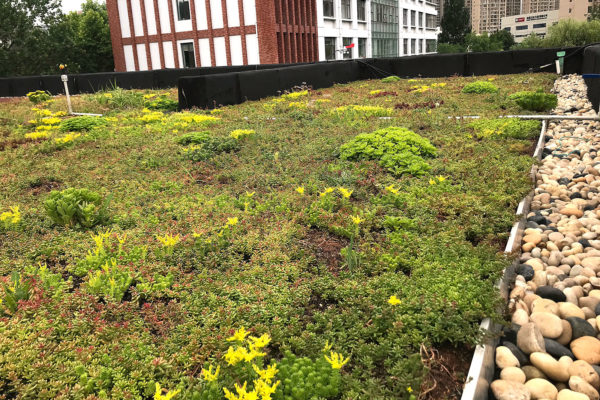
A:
(482, 366)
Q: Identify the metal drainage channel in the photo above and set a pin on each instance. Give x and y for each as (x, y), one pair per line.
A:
(481, 371)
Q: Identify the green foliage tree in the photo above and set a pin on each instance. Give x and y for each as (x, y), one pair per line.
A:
(35, 38)
(594, 13)
(455, 22)
(566, 33)
(478, 43)
(504, 37)
(23, 37)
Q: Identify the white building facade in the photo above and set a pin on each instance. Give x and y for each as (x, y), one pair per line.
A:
(375, 28)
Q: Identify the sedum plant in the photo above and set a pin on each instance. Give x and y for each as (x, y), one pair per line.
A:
(81, 123)
(203, 146)
(505, 127)
(480, 87)
(76, 208)
(18, 289)
(39, 96)
(111, 282)
(397, 149)
(535, 101)
(390, 79)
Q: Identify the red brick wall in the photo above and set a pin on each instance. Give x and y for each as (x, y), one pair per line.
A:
(287, 32)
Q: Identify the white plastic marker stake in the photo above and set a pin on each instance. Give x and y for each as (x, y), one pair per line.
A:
(65, 79)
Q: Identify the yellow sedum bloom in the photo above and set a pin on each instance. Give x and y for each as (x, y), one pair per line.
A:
(393, 300)
(168, 240)
(232, 222)
(300, 189)
(159, 396)
(239, 335)
(242, 393)
(337, 360)
(326, 191)
(264, 389)
(391, 189)
(440, 178)
(37, 135)
(209, 375)
(259, 342)
(13, 216)
(266, 374)
(356, 220)
(68, 138)
(345, 192)
(239, 133)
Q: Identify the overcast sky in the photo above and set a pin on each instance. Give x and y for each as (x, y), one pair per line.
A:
(73, 5)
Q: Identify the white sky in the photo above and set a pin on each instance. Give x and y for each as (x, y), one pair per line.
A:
(74, 5)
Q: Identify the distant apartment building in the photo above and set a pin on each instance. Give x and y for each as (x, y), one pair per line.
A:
(157, 34)
(488, 15)
(523, 25)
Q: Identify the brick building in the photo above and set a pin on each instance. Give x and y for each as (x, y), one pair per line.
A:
(155, 34)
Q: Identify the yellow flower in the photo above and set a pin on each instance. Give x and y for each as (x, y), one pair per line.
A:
(232, 222)
(242, 394)
(440, 178)
(300, 189)
(250, 194)
(431, 182)
(168, 240)
(391, 189)
(356, 220)
(209, 375)
(327, 347)
(235, 355)
(14, 215)
(394, 300)
(159, 396)
(409, 389)
(326, 191)
(345, 192)
(239, 335)
(122, 239)
(337, 360)
(374, 92)
(259, 342)
(238, 133)
(266, 374)
(264, 389)
(69, 137)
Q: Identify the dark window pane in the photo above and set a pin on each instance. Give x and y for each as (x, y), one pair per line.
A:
(187, 53)
(328, 8)
(183, 10)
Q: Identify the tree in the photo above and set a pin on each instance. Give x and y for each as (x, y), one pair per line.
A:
(455, 22)
(594, 13)
(483, 42)
(504, 37)
(566, 33)
(35, 38)
(23, 33)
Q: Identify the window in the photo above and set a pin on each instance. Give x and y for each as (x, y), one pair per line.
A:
(405, 43)
(521, 27)
(420, 20)
(419, 47)
(187, 55)
(346, 12)
(413, 46)
(430, 21)
(542, 25)
(507, 29)
(413, 18)
(362, 47)
(330, 48)
(347, 52)
(183, 10)
(361, 14)
(405, 17)
(431, 45)
(328, 8)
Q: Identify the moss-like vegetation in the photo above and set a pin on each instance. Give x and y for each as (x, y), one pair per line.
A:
(274, 231)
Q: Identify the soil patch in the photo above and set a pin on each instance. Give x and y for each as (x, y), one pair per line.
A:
(448, 368)
(325, 247)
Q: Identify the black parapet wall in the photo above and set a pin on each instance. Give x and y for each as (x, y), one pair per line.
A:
(236, 87)
(89, 83)
(211, 91)
(591, 65)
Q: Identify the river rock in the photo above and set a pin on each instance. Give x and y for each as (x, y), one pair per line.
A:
(543, 305)
(556, 349)
(566, 310)
(548, 292)
(549, 366)
(578, 384)
(515, 374)
(567, 334)
(530, 339)
(532, 372)
(505, 358)
(526, 271)
(585, 371)
(581, 327)
(509, 390)
(541, 389)
(548, 324)
(586, 348)
(567, 394)
(522, 357)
